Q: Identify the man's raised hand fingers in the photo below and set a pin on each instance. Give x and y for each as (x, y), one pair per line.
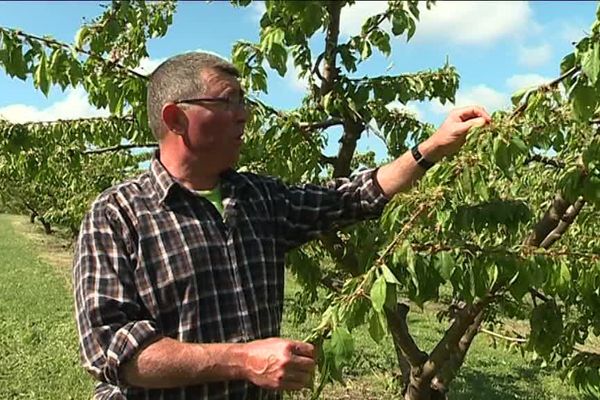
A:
(467, 113)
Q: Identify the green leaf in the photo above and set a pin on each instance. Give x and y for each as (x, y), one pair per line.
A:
(412, 28)
(519, 144)
(342, 346)
(521, 284)
(81, 36)
(389, 275)
(591, 189)
(376, 326)
(366, 50)
(277, 58)
(398, 24)
(583, 101)
(378, 293)
(501, 156)
(40, 78)
(445, 264)
(567, 63)
(546, 328)
(590, 62)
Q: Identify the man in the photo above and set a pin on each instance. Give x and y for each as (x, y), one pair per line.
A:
(178, 274)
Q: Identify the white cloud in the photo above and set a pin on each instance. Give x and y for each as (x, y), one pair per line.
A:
(461, 22)
(474, 22)
(74, 106)
(352, 17)
(535, 56)
(481, 95)
(517, 82)
(411, 108)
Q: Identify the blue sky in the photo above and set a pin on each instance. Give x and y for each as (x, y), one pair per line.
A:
(497, 48)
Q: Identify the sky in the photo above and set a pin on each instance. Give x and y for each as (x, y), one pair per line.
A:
(497, 48)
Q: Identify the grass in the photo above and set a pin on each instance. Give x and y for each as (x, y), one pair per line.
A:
(38, 342)
(39, 356)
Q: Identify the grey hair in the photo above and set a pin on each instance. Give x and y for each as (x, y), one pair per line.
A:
(178, 78)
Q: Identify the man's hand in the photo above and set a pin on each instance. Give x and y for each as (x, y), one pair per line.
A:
(452, 134)
(279, 364)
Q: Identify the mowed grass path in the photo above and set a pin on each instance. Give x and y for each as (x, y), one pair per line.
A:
(39, 357)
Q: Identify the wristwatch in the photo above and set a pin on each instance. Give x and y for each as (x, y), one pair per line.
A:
(422, 161)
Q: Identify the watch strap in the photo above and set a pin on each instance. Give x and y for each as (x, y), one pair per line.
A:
(422, 161)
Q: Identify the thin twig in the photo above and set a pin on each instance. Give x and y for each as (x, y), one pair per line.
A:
(52, 43)
(507, 338)
(309, 126)
(545, 86)
(119, 148)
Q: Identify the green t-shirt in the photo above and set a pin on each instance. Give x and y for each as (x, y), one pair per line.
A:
(214, 196)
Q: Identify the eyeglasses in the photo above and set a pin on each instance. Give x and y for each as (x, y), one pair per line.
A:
(230, 103)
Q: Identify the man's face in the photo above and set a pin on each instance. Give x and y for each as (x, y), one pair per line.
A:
(215, 129)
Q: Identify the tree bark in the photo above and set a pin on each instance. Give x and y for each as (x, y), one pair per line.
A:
(450, 369)
(330, 72)
(549, 221)
(47, 226)
(407, 351)
(352, 132)
(565, 221)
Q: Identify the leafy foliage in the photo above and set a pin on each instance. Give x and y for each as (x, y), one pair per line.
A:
(466, 226)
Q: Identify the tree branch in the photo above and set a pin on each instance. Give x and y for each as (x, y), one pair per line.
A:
(119, 147)
(545, 160)
(328, 160)
(449, 370)
(403, 340)
(352, 132)
(311, 126)
(565, 222)
(547, 86)
(126, 118)
(442, 351)
(548, 222)
(499, 336)
(330, 72)
(53, 43)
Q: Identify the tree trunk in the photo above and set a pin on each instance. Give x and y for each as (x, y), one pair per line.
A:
(32, 217)
(47, 227)
(450, 369)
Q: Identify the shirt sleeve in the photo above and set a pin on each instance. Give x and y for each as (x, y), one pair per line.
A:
(112, 325)
(311, 210)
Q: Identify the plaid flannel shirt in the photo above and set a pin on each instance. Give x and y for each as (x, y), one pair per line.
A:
(155, 258)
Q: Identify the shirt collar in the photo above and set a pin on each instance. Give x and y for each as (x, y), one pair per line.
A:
(231, 181)
(163, 180)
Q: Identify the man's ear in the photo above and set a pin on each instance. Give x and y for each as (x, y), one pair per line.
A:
(174, 118)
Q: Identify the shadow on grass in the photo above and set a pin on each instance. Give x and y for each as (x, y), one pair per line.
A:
(520, 383)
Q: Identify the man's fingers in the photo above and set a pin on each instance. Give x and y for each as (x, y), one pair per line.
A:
(301, 363)
(303, 349)
(471, 112)
(473, 123)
